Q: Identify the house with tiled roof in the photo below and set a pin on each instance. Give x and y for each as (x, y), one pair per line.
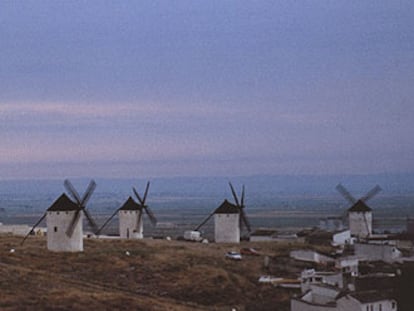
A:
(323, 297)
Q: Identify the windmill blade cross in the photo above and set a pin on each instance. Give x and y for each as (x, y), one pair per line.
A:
(150, 215)
(139, 219)
(145, 193)
(371, 193)
(345, 193)
(34, 226)
(88, 193)
(107, 222)
(366, 223)
(242, 198)
(234, 194)
(75, 219)
(137, 195)
(90, 220)
(72, 191)
(243, 217)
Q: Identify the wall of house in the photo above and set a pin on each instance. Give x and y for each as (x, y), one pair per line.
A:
(348, 264)
(345, 303)
(349, 303)
(57, 224)
(373, 252)
(360, 224)
(261, 238)
(128, 228)
(20, 230)
(226, 228)
(300, 305)
(341, 238)
(311, 256)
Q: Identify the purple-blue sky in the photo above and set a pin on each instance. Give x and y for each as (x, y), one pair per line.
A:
(162, 88)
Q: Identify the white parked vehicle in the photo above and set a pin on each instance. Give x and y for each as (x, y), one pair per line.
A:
(233, 256)
(193, 236)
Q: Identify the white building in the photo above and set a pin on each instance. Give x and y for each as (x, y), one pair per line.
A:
(377, 252)
(311, 256)
(341, 238)
(130, 220)
(227, 223)
(326, 298)
(20, 230)
(59, 217)
(263, 235)
(348, 264)
(309, 277)
(360, 220)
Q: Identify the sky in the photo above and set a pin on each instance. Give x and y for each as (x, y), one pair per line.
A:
(205, 88)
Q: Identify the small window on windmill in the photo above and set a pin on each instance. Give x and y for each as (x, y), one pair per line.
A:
(55, 229)
(66, 212)
(57, 213)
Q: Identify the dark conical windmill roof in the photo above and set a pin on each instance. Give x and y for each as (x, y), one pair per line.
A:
(227, 208)
(63, 203)
(360, 206)
(130, 205)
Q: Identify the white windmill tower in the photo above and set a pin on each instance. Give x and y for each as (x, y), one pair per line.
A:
(130, 216)
(228, 220)
(64, 220)
(359, 214)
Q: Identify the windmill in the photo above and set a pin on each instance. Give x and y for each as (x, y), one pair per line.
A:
(64, 220)
(229, 218)
(359, 214)
(130, 216)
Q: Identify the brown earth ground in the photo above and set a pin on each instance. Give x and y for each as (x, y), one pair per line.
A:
(156, 275)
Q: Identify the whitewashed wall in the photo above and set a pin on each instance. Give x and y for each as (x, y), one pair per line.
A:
(341, 238)
(226, 228)
(128, 228)
(360, 225)
(373, 252)
(57, 224)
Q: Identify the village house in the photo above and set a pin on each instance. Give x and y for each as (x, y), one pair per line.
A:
(311, 256)
(377, 252)
(348, 264)
(263, 235)
(327, 298)
(309, 277)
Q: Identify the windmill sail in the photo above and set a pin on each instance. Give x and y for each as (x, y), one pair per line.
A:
(32, 229)
(81, 202)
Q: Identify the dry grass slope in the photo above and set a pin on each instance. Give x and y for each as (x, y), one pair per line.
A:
(156, 275)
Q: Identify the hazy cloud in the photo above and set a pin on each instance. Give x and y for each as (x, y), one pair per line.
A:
(206, 87)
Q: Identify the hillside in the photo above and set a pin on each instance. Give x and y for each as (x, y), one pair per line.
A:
(156, 275)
